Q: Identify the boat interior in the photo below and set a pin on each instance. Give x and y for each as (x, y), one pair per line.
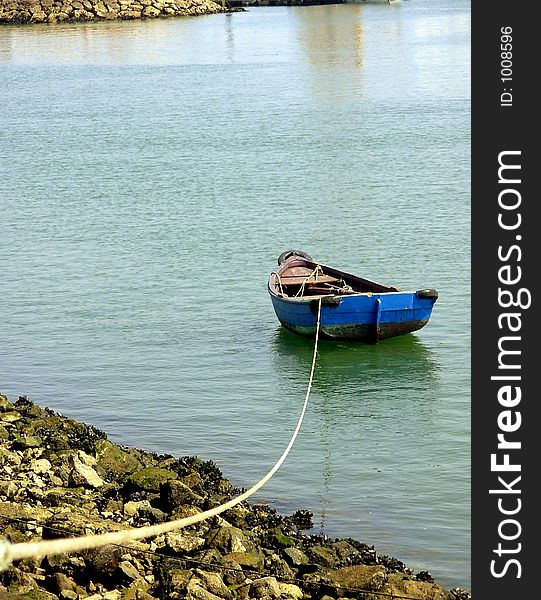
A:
(301, 278)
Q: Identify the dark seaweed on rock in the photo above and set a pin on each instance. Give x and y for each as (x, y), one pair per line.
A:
(209, 471)
(71, 434)
(83, 437)
(367, 554)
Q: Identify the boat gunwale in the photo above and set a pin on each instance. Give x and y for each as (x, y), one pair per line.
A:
(317, 296)
(296, 260)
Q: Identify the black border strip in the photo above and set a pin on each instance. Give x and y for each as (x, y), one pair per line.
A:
(505, 524)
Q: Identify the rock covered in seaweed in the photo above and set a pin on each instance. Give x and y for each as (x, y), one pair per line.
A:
(62, 478)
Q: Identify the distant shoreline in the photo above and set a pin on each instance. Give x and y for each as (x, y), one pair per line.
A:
(20, 12)
(62, 478)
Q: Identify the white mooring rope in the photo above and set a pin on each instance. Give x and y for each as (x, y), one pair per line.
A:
(10, 552)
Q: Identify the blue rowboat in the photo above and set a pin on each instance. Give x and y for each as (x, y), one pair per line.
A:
(352, 308)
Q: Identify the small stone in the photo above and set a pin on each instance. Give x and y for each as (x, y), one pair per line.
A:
(27, 441)
(214, 583)
(233, 575)
(183, 542)
(176, 493)
(344, 550)
(56, 481)
(9, 489)
(150, 479)
(10, 417)
(149, 513)
(129, 571)
(279, 540)
(399, 587)
(104, 560)
(40, 465)
(247, 560)
(179, 579)
(114, 460)
(322, 556)
(369, 577)
(279, 567)
(266, 587)
(130, 14)
(130, 508)
(150, 11)
(86, 459)
(296, 557)
(63, 583)
(5, 404)
(77, 561)
(194, 482)
(290, 591)
(196, 592)
(228, 539)
(185, 511)
(82, 474)
(55, 562)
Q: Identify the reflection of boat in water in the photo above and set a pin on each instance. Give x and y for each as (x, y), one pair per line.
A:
(347, 370)
(366, 401)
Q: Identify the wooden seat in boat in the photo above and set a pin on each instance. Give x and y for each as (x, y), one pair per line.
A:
(300, 279)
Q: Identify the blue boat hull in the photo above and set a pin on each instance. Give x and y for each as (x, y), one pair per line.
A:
(363, 317)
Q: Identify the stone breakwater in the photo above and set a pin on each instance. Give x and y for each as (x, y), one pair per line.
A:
(54, 11)
(59, 477)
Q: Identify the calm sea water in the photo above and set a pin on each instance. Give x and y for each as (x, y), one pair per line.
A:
(150, 174)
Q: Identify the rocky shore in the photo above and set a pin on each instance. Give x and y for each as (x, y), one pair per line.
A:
(54, 11)
(62, 478)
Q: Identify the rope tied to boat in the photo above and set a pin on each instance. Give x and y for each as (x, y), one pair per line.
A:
(313, 274)
(10, 552)
(279, 279)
